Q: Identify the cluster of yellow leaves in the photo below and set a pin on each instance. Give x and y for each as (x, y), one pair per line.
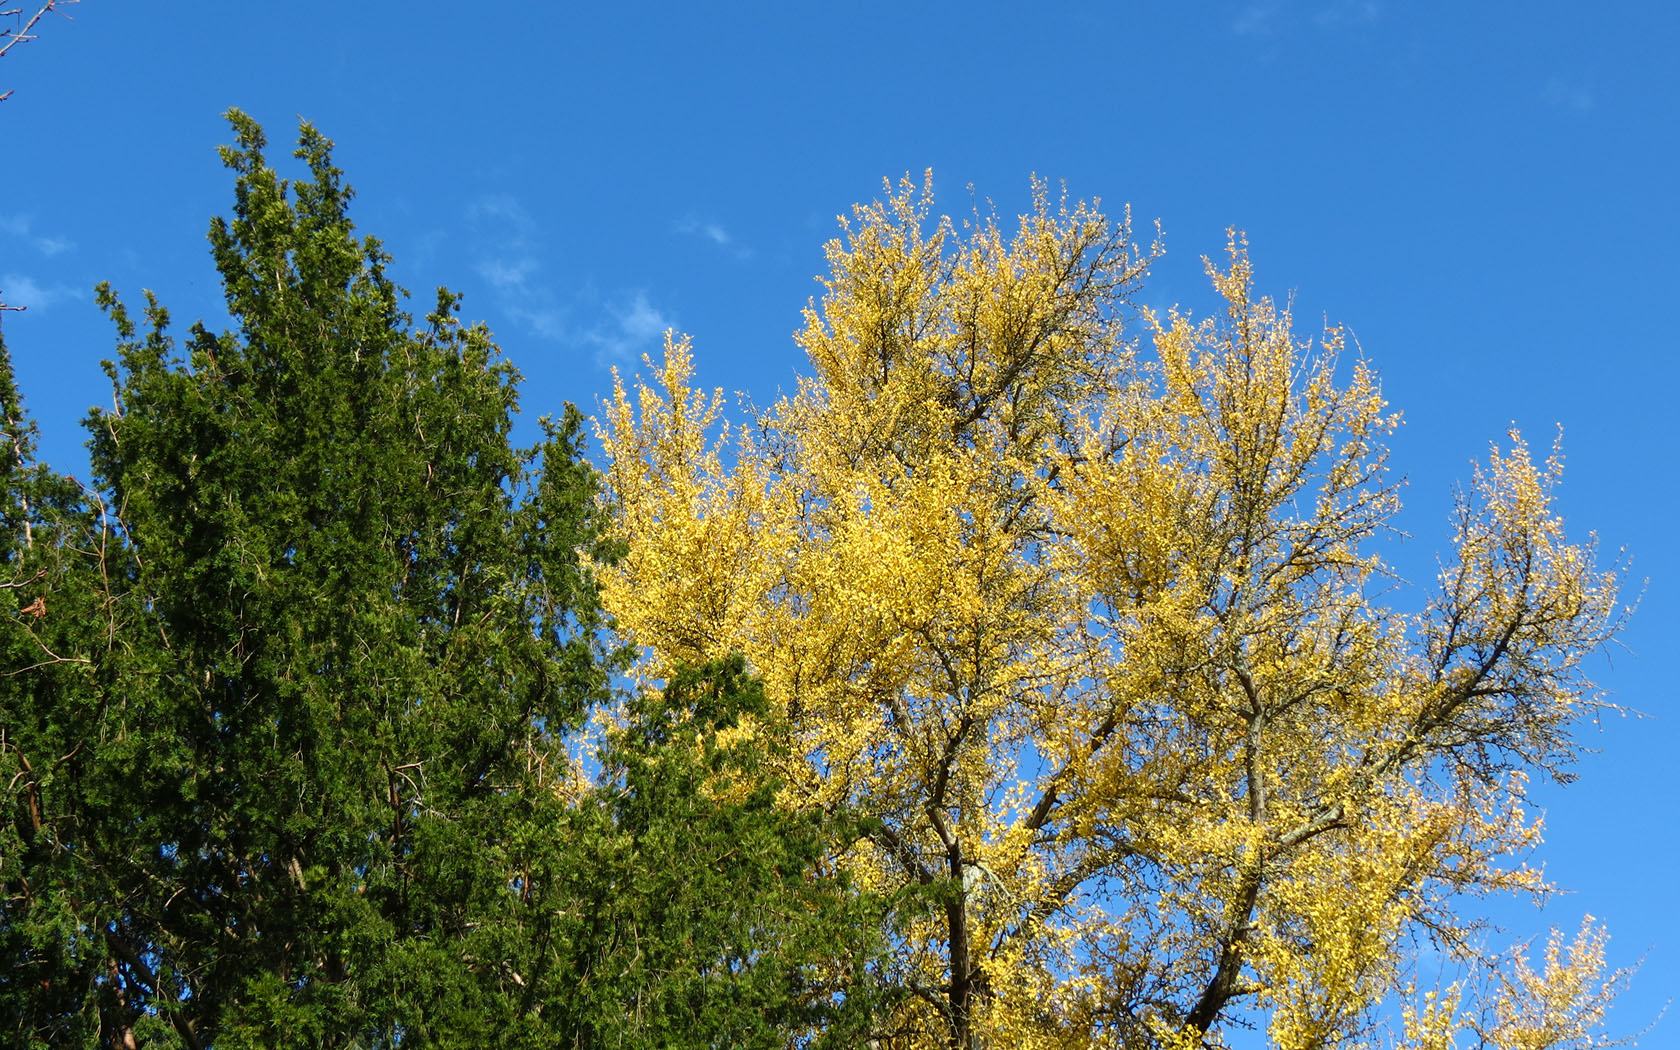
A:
(1560, 1006)
(1089, 628)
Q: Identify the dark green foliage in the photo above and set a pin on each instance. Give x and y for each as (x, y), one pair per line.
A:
(346, 619)
(53, 616)
(708, 918)
(285, 692)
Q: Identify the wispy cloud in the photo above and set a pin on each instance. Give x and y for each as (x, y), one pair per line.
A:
(1569, 96)
(21, 290)
(509, 263)
(1262, 19)
(507, 275)
(424, 249)
(549, 322)
(635, 325)
(19, 227)
(1256, 20)
(1347, 13)
(501, 206)
(690, 226)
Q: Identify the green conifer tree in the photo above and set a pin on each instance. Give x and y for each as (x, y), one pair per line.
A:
(710, 914)
(317, 627)
(285, 698)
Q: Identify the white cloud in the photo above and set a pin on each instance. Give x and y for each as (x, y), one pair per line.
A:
(20, 290)
(709, 230)
(19, 226)
(636, 325)
(509, 276)
(1271, 18)
(1342, 13)
(548, 322)
(1256, 20)
(640, 321)
(510, 263)
(691, 226)
(500, 206)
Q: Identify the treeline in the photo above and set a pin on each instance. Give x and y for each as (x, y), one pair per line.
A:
(1012, 684)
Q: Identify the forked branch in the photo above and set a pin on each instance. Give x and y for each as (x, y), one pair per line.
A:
(10, 38)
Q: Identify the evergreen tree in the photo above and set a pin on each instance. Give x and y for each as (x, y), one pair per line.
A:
(53, 618)
(286, 700)
(286, 728)
(710, 913)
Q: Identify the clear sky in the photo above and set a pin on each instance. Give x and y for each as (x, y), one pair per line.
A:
(1484, 192)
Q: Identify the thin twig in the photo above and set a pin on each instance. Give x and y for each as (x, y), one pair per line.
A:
(10, 38)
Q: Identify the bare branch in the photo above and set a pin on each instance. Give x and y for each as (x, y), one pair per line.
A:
(10, 38)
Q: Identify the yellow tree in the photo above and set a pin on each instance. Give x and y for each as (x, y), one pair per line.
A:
(1094, 629)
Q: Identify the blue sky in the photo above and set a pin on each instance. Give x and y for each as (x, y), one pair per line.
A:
(1484, 193)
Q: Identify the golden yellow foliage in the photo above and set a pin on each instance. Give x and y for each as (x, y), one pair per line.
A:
(1561, 1006)
(1091, 628)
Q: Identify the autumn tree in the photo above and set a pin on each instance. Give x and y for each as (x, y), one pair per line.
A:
(1083, 605)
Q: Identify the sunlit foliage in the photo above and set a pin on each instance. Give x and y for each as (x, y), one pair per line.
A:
(1083, 604)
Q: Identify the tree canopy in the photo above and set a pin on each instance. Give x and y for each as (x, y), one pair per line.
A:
(1029, 677)
(1096, 629)
(287, 689)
